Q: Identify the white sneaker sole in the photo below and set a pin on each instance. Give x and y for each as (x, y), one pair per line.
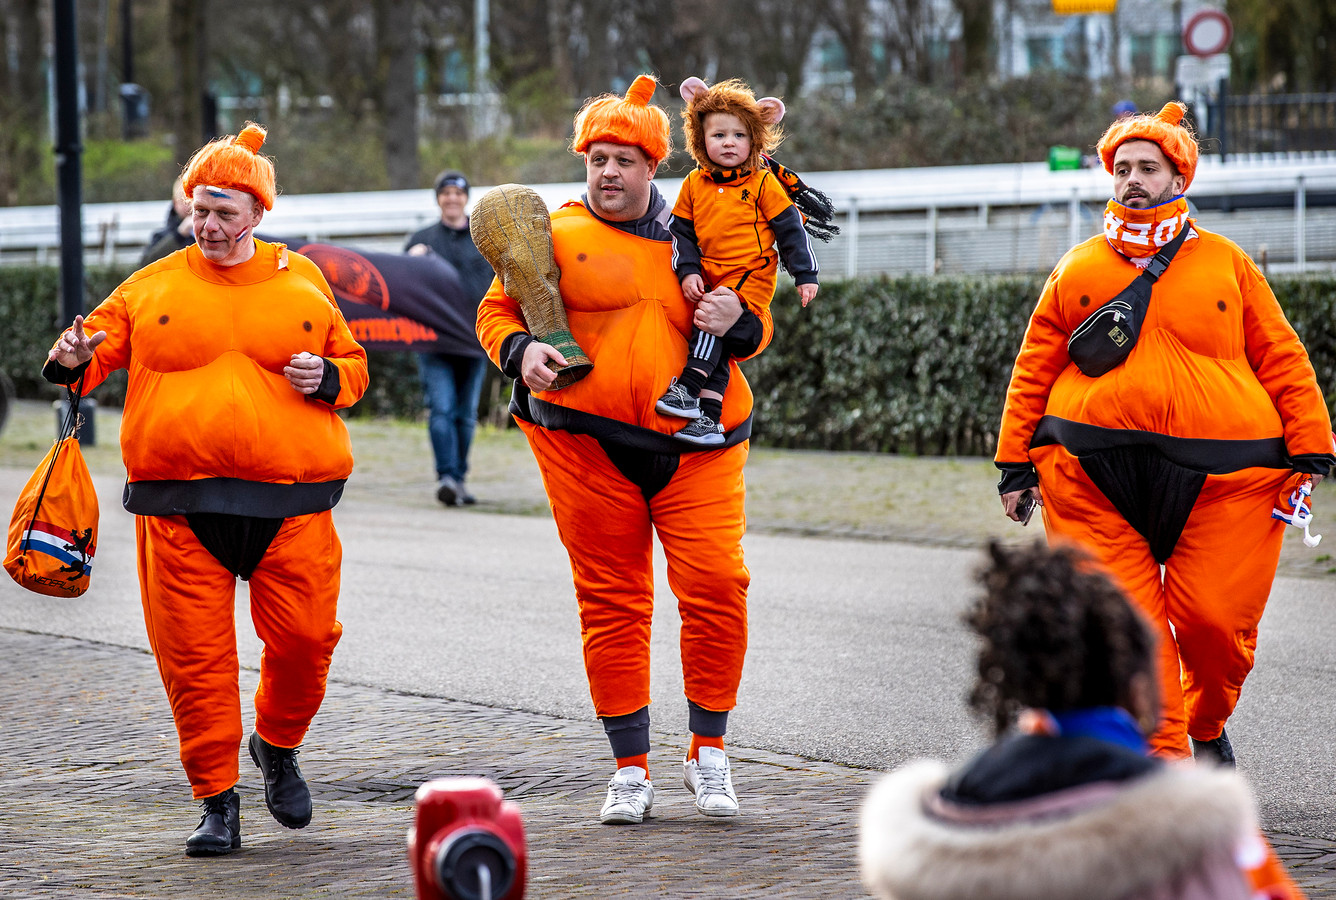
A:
(624, 818)
(717, 813)
(713, 440)
(680, 413)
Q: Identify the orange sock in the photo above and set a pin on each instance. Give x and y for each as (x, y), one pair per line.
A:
(642, 760)
(697, 742)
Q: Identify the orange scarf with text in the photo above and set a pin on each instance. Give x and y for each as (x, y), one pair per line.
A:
(1139, 233)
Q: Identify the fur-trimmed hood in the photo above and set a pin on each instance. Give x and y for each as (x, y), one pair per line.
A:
(761, 118)
(1171, 833)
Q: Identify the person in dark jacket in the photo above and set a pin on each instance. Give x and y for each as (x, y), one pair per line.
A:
(175, 234)
(1067, 802)
(451, 383)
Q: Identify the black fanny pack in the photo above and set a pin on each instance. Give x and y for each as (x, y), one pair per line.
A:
(1103, 341)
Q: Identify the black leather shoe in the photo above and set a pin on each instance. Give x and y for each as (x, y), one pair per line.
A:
(285, 791)
(1218, 751)
(219, 830)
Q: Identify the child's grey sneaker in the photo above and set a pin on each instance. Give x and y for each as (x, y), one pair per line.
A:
(676, 401)
(704, 431)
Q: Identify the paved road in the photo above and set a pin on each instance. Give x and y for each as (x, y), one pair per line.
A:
(856, 656)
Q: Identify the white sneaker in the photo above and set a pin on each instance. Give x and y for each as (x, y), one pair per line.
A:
(708, 777)
(630, 797)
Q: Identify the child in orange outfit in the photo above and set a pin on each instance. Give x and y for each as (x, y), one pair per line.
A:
(731, 212)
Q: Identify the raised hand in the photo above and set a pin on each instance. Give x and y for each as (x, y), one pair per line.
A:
(75, 347)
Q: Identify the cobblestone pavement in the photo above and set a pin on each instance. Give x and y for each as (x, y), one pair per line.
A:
(95, 804)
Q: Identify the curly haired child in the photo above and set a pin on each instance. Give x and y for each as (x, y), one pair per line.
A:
(731, 212)
(1067, 802)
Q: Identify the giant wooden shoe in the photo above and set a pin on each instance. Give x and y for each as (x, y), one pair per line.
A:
(511, 228)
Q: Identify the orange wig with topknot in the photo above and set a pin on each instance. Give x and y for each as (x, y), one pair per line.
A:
(234, 162)
(759, 117)
(630, 120)
(1164, 128)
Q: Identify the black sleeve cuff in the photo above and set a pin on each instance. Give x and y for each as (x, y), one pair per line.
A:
(1313, 463)
(512, 353)
(1016, 477)
(55, 373)
(744, 338)
(688, 268)
(329, 384)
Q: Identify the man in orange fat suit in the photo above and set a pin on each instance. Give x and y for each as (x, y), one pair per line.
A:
(1177, 456)
(238, 358)
(614, 474)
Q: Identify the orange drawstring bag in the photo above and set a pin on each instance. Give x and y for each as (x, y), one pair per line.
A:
(53, 532)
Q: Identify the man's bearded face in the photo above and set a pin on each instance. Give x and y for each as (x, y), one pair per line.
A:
(1143, 176)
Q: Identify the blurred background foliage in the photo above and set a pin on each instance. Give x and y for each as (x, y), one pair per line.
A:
(915, 364)
(381, 94)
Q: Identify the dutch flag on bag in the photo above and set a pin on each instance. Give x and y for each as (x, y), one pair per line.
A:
(74, 550)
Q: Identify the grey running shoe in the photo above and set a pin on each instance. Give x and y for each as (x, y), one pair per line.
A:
(704, 431)
(676, 401)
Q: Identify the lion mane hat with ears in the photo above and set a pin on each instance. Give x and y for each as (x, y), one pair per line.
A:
(630, 120)
(760, 117)
(234, 162)
(1164, 128)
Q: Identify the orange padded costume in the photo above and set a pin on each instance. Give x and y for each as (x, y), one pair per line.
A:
(626, 310)
(614, 474)
(211, 425)
(1176, 456)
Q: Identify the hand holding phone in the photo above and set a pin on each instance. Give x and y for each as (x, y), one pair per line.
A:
(1026, 507)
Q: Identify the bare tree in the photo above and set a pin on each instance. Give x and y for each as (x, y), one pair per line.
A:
(22, 95)
(976, 35)
(186, 27)
(907, 30)
(397, 70)
(849, 19)
(771, 39)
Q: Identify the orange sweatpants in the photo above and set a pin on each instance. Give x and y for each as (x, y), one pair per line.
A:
(1212, 590)
(189, 600)
(606, 526)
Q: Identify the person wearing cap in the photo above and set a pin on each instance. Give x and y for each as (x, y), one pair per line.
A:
(238, 359)
(1168, 466)
(452, 383)
(613, 472)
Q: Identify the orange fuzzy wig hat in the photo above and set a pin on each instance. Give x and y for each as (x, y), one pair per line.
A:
(760, 118)
(1164, 128)
(234, 162)
(632, 120)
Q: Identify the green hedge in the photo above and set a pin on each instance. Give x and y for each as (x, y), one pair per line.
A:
(908, 365)
(921, 364)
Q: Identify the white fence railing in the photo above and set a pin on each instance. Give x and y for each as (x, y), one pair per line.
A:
(984, 219)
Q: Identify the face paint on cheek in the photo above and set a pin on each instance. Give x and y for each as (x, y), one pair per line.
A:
(241, 235)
